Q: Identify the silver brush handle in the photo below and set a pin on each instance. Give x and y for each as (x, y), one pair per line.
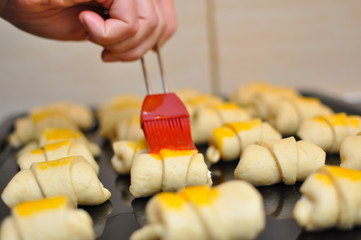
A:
(161, 69)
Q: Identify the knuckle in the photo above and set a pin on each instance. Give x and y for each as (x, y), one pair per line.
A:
(132, 28)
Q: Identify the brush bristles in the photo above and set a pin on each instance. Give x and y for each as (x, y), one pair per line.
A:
(171, 133)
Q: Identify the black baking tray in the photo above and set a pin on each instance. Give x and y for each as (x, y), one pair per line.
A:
(121, 215)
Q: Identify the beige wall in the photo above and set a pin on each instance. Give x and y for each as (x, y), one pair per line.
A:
(304, 44)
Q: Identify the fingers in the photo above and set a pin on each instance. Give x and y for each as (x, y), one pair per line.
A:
(138, 47)
(134, 27)
(122, 24)
(168, 9)
(148, 22)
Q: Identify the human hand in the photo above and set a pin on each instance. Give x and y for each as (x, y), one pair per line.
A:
(131, 29)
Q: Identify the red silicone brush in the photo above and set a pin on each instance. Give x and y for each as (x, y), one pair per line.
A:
(164, 118)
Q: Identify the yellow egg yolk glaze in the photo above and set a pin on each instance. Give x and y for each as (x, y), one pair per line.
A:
(354, 121)
(171, 200)
(323, 179)
(220, 134)
(41, 115)
(338, 119)
(244, 126)
(353, 175)
(37, 151)
(200, 195)
(55, 163)
(59, 134)
(35, 207)
(55, 146)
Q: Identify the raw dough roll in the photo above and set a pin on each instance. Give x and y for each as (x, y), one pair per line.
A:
(55, 151)
(169, 170)
(71, 176)
(287, 113)
(125, 152)
(232, 210)
(129, 129)
(29, 128)
(331, 198)
(115, 110)
(59, 114)
(52, 135)
(274, 161)
(257, 97)
(52, 218)
(204, 120)
(328, 131)
(350, 152)
(227, 142)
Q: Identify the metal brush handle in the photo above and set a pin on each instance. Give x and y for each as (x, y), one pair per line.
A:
(161, 68)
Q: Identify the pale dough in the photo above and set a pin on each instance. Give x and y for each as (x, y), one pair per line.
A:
(330, 198)
(227, 142)
(273, 161)
(70, 176)
(55, 151)
(169, 170)
(232, 210)
(328, 131)
(58, 114)
(52, 218)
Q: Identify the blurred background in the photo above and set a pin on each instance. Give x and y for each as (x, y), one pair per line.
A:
(219, 45)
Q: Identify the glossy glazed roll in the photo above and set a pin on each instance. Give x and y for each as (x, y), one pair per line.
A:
(330, 198)
(328, 131)
(227, 142)
(170, 170)
(285, 160)
(232, 210)
(52, 218)
(72, 177)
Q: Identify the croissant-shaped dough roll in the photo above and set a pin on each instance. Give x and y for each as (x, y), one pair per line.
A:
(246, 95)
(257, 97)
(129, 129)
(169, 170)
(328, 131)
(71, 176)
(29, 128)
(77, 112)
(287, 113)
(350, 152)
(227, 142)
(52, 135)
(116, 109)
(205, 119)
(270, 162)
(52, 218)
(55, 151)
(232, 210)
(331, 198)
(125, 152)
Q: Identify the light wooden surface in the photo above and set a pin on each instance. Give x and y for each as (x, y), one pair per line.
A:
(305, 44)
